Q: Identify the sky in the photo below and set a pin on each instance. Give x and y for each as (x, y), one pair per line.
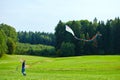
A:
(44, 15)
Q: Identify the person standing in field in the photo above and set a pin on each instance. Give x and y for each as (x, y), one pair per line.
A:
(23, 68)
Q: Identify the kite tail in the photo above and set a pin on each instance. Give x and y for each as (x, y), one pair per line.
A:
(68, 29)
(81, 39)
(77, 38)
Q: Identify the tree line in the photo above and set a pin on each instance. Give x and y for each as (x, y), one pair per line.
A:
(108, 43)
(36, 38)
(61, 43)
(25, 43)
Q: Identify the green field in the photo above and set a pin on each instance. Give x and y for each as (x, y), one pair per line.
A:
(68, 68)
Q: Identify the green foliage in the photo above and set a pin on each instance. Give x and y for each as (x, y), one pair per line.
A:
(9, 40)
(84, 29)
(3, 46)
(62, 40)
(39, 50)
(36, 38)
(9, 31)
(67, 49)
(11, 46)
(60, 34)
(116, 35)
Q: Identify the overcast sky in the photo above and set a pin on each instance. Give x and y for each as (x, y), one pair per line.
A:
(44, 15)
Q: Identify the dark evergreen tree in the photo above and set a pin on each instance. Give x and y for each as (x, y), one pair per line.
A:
(59, 34)
(116, 36)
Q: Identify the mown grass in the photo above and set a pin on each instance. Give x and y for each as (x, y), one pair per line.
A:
(67, 68)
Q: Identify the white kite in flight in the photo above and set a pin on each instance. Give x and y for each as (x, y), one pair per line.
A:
(68, 29)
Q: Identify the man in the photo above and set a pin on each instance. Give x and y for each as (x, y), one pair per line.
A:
(23, 68)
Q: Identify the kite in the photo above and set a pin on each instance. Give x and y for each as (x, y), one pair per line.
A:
(68, 29)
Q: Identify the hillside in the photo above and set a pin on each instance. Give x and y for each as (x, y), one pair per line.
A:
(67, 68)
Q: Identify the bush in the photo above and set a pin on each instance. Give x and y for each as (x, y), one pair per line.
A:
(11, 46)
(3, 46)
(67, 49)
(38, 50)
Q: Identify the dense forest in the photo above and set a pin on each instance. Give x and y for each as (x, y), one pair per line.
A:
(61, 43)
(108, 43)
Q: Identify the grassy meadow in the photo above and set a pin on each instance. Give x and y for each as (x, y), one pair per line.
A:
(66, 68)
